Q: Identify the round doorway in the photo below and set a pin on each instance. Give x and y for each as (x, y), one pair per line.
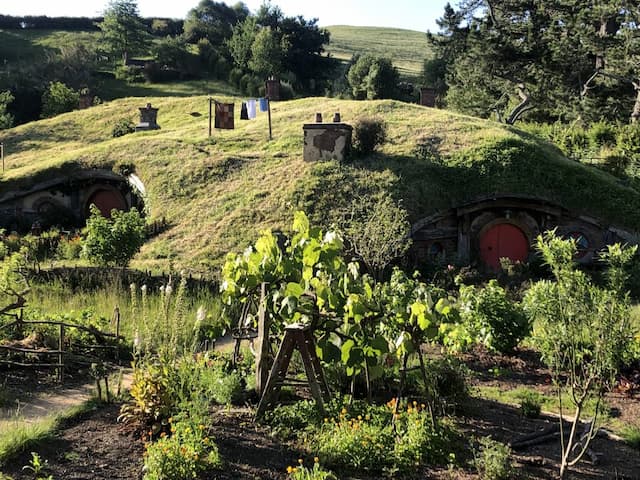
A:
(107, 200)
(503, 240)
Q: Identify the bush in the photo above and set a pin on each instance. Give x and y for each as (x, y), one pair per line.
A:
(494, 462)
(369, 134)
(373, 78)
(129, 74)
(498, 322)
(115, 241)
(602, 134)
(183, 455)
(123, 127)
(58, 98)
(449, 378)
(530, 404)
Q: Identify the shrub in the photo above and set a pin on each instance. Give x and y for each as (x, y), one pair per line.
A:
(113, 241)
(129, 74)
(69, 248)
(183, 455)
(122, 127)
(316, 472)
(602, 134)
(530, 404)
(498, 322)
(494, 462)
(58, 98)
(449, 378)
(369, 134)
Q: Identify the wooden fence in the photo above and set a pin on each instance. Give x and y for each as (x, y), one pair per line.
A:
(65, 353)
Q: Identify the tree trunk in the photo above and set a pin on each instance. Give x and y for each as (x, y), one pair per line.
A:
(635, 114)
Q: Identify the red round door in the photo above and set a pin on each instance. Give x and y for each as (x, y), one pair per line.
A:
(503, 240)
(107, 200)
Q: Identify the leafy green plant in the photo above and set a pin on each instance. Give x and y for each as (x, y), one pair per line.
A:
(182, 455)
(494, 462)
(301, 472)
(369, 134)
(530, 404)
(122, 127)
(498, 322)
(113, 241)
(583, 332)
(59, 98)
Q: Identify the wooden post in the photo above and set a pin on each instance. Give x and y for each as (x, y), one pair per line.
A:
(262, 355)
(116, 315)
(269, 115)
(60, 354)
(2, 154)
(210, 111)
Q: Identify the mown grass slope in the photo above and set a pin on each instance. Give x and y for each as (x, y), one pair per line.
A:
(219, 192)
(406, 48)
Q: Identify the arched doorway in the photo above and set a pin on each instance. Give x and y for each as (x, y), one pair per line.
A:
(107, 200)
(503, 240)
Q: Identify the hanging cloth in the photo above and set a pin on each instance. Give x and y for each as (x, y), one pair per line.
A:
(243, 112)
(224, 116)
(251, 108)
(264, 104)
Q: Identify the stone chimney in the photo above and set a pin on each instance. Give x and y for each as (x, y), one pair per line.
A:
(327, 141)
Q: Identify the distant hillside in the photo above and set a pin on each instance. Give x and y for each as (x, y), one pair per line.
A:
(407, 48)
(217, 193)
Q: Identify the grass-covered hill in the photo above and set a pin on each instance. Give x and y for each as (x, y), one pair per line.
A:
(218, 192)
(406, 48)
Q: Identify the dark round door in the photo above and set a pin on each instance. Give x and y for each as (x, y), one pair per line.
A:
(503, 240)
(107, 200)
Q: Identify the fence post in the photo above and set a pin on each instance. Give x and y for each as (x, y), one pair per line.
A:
(60, 354)
(116, 315)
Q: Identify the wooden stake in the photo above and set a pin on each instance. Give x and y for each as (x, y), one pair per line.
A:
(269, 114)
(61, 355)
(210, 111)
(262, 350)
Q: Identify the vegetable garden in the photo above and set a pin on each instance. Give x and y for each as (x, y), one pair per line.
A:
(411, 366)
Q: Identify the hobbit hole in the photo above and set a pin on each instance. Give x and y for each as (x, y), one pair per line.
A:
(65, 201)
(484, 230)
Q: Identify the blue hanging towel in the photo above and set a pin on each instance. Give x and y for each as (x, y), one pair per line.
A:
(251, 108)
(264, 104)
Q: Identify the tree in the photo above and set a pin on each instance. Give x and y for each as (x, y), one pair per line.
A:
(583, 333)
(378, 234)
(59, 98)
(123, 32)
(6, 119)
(267, 53)
(213, 21)
(373, 78)
(241, 42)
(113, 241)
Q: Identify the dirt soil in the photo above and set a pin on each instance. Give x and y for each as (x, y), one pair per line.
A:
(94, 446)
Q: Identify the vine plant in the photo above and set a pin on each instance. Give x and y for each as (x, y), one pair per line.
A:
(355, 318)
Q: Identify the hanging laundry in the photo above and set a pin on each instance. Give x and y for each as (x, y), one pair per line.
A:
(243, 112)
(251, 108)
(224, 116)
(264, 104)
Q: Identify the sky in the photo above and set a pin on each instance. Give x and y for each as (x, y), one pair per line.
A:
(410, 14)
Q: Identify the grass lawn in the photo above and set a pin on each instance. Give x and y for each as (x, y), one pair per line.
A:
(407, 48)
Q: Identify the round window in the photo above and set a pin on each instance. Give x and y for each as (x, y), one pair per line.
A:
(582, 243)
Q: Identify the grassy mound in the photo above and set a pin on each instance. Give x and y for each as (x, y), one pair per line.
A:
(407, 48)
(218, 192)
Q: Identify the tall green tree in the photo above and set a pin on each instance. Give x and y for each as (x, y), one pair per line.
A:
(552, 60)
(372, 78)
(6, 119)
(213, 21)
(123, 32)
